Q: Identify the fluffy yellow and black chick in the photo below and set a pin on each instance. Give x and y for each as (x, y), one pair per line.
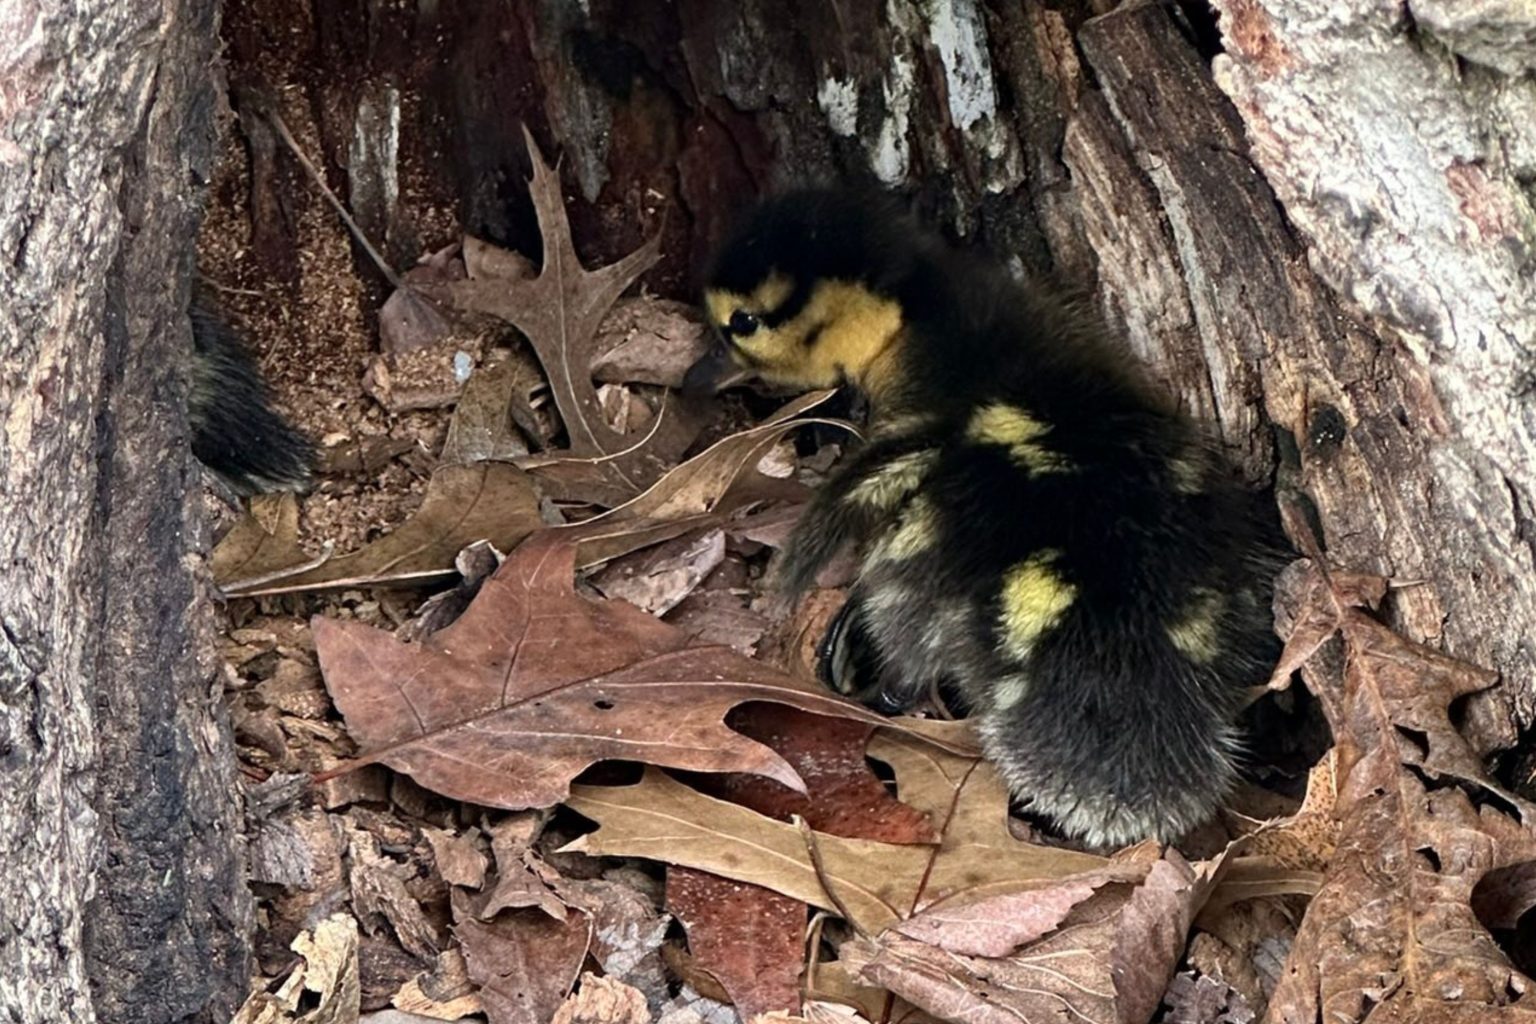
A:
(1036, 530)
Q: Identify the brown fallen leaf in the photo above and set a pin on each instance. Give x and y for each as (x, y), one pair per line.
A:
(1307, 838)
(485, 501)
(1204, 1000)
(842, 797)
(646, 340)
(830, 987)
(444, 993)
(627, 930)
(525, 962)
(995, 926)
(379, 894)
(458, 859)
(264, 545)
(1392, 934)
(533, 684)
(721, 610)
(482, 426)
(750, 939)
(658, 580)
(1108, 957)
(875, 883)
(409, 321)
(559, 312)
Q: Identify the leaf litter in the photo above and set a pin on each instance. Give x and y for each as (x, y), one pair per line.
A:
(806, 885)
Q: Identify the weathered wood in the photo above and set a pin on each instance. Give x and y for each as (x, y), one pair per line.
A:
(122, 897)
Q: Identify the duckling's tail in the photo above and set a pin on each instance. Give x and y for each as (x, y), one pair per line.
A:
(1115, 752)
(236, 432)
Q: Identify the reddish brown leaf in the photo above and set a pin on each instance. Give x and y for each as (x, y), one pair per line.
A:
(533, 684)
(842, 796)
(748, 937)
(1152, 932)
(751, 939)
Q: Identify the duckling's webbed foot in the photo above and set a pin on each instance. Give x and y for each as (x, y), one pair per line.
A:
(848, 661)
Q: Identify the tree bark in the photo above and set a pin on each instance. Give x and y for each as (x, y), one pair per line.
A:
(123, 896)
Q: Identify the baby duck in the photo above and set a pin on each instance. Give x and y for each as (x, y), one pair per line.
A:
(1035, 529)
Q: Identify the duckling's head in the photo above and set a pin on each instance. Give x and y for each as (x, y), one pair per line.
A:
(806, 293)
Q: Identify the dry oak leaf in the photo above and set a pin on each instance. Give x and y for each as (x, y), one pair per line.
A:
(1392, 936)
(533, 684)
(559, 312)
(602, 1000)
(443, 993)
(748, 938)
(1097, 949)
(876, 884)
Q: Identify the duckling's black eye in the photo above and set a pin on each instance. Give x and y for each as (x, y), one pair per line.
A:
(742, 323)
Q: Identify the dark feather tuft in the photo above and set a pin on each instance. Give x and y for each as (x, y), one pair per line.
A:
(236, 432)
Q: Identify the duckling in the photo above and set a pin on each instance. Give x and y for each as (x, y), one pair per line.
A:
(1035, 529)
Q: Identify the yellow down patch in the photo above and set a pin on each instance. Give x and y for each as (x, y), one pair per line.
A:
(765, 298)
(1197, 630)
(1015, 429)
(889, 485)
(1034, 599)
(916, 533)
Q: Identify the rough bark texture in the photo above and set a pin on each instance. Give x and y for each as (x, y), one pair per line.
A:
(123, 896)
(1348, 303)
(1404, 156)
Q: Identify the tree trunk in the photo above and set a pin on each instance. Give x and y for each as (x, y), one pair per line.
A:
(123, 896)
(1346, 305)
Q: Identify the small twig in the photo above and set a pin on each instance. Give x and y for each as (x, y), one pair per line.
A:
(814, 851)
(276, 120)
(227, 289)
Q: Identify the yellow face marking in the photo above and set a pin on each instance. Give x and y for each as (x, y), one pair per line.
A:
(843, 332)
(765, 298)
(889, 485)
(916, 533)
(1197, 630)
(1015, 429)
(1034, 599)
